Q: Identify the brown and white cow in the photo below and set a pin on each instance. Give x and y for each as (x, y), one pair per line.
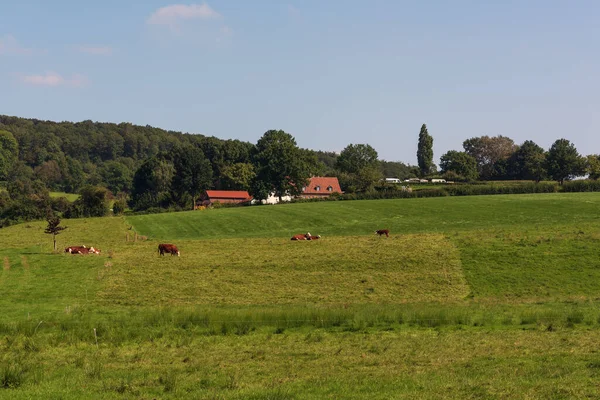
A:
(168, 248)
(81, 250)
(76, 250)
(385, 232)
(299, 237)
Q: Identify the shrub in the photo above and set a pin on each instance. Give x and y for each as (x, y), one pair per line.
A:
(119, 206)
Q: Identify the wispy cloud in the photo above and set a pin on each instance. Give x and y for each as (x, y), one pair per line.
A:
(96, 50)
(293, 10)
(173, 14)
(53, 79)
(10, 45)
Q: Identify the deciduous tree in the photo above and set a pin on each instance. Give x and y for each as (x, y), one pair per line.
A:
(238, 176)
(9, 151)
(593, 166)
(564, 162)
(281, 165)
(487, 151)
(460, 163)
(527, 162)
(193, 173)
(360, 165)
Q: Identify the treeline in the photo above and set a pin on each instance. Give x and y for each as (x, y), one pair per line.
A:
(145, 167)
(499, 158)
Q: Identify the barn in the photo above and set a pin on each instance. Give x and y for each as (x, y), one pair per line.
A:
(225, 196)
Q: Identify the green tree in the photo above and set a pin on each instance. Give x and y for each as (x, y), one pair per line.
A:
(193, 173)
(425, 152)
(280, 165)
(116, 176)
(593, 166)
(359, 167)
(54, 227)
(563, 162)
(50, 173)
(93, 202)
(9, 151)
(527, 162)
(461, 163)
(487, 151)
(152, 183)
(238, 176)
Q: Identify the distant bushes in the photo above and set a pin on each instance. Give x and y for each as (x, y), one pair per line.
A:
(478, 189)
(468, 190)
(581, 186)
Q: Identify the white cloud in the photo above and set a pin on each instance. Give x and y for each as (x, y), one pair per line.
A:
(53, 79)
(9, 45)
(96, 50)
(173, 14)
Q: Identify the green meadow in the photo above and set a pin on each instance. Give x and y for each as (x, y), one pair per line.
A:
(469, 297)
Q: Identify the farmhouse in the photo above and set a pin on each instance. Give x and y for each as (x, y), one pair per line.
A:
(321, 186)
(225, 196)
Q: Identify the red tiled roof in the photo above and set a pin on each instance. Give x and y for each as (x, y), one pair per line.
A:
(228, 194)
(323, 183)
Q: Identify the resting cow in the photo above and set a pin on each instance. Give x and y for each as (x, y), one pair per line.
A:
(77, 250)
(306, 236)
(168, 248)
(385, 232)
(299, 237)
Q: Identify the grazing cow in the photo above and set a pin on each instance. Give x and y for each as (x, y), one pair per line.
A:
(168, 248)
(385, 232)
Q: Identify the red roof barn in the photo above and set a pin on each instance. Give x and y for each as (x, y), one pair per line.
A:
(225, 196)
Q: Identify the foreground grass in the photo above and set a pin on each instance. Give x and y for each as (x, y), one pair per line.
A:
(315, 363)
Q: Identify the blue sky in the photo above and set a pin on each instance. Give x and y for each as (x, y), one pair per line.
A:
(330, 73)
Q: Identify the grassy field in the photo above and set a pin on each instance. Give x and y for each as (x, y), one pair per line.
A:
(472, 297)
(69, 196)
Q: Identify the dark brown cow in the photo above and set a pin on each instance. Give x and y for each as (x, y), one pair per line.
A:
(385, 232)
(168, 248)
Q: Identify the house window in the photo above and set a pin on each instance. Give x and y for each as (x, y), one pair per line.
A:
(329, 188)
(318, 188)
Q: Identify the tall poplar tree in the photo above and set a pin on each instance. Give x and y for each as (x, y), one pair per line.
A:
(425, 151)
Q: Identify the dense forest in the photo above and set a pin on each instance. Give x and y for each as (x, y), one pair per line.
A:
(38, 156)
